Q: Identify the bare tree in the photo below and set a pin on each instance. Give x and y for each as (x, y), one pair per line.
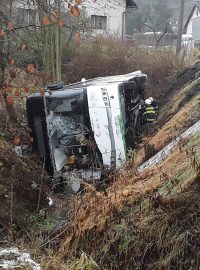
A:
(43, 27)
(154, 26)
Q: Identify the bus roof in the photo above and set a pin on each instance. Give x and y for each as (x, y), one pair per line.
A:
(107, 80)
(95, 81)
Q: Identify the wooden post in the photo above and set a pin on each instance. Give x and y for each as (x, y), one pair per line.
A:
(180, 27)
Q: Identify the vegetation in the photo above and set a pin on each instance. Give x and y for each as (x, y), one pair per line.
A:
(147, 220)
(141, 222)
(117, 58)
(152, 17)
(34, 40)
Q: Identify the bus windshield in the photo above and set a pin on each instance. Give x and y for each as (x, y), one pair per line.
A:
(67, 114)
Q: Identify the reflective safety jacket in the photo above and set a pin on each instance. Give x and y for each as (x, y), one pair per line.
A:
(150, 114)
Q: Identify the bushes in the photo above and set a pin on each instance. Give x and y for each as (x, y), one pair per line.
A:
(107, 57)
(19, 189)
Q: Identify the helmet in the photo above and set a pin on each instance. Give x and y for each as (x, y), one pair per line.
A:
(150, 98)
(147, 101)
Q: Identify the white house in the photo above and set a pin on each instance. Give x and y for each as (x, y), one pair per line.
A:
(25, 11)
(108, 17)
(195, 12)
(196, 29)
(192, 25)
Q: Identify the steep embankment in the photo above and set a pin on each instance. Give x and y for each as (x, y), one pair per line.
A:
(180, 110)
(147, 220)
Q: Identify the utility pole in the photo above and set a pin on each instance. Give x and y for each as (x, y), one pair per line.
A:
(180, 27)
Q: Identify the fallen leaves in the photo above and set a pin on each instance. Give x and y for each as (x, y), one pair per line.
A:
(42, 91)
(9, 101)
(31, 68)
(12, 74)
(78, 1)
(60, 23)
(11, 61)
(2, 33)
(26, 89)
(78, 37)
(17, 93)
(17, 140)
(10, 26)
(74, 10)
(11, 130)
(46, 20)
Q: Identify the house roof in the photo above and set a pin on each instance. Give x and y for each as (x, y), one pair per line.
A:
(131, 4)
(196, 6)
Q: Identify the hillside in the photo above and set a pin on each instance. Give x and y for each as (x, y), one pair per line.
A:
(147, 220)
(132, 217)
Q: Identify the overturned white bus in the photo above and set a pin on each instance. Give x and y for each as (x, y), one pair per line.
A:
(80, 129)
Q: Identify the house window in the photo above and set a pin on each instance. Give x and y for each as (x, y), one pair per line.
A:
(26, 16)
(99, 22)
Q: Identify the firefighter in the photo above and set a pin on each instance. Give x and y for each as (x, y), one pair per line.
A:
(149, 112)
(154, 103)
(149, 116)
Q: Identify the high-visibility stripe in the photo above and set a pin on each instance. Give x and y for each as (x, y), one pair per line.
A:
(149, 108)
(150, 114)
(153, 112)
(150, 120)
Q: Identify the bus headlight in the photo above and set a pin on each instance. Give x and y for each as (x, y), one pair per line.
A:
(71, 160)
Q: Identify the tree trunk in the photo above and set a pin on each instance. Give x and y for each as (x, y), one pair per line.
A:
(180, 27)
(51, 42)
(58, 46)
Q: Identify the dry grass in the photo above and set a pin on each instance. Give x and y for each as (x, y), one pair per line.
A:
(93, 211)
(180, 112)
(154, 233)
(177, 124)
(142, 220)
(146, 221)
(170, 130)
(19, 189)
(166, 186)
(115, 58)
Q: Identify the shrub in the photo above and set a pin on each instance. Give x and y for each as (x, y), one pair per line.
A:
(107, 57)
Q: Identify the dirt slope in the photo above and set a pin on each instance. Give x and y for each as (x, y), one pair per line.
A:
(148, 220)
(180, 109)
(186, 86)
(142, 221)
